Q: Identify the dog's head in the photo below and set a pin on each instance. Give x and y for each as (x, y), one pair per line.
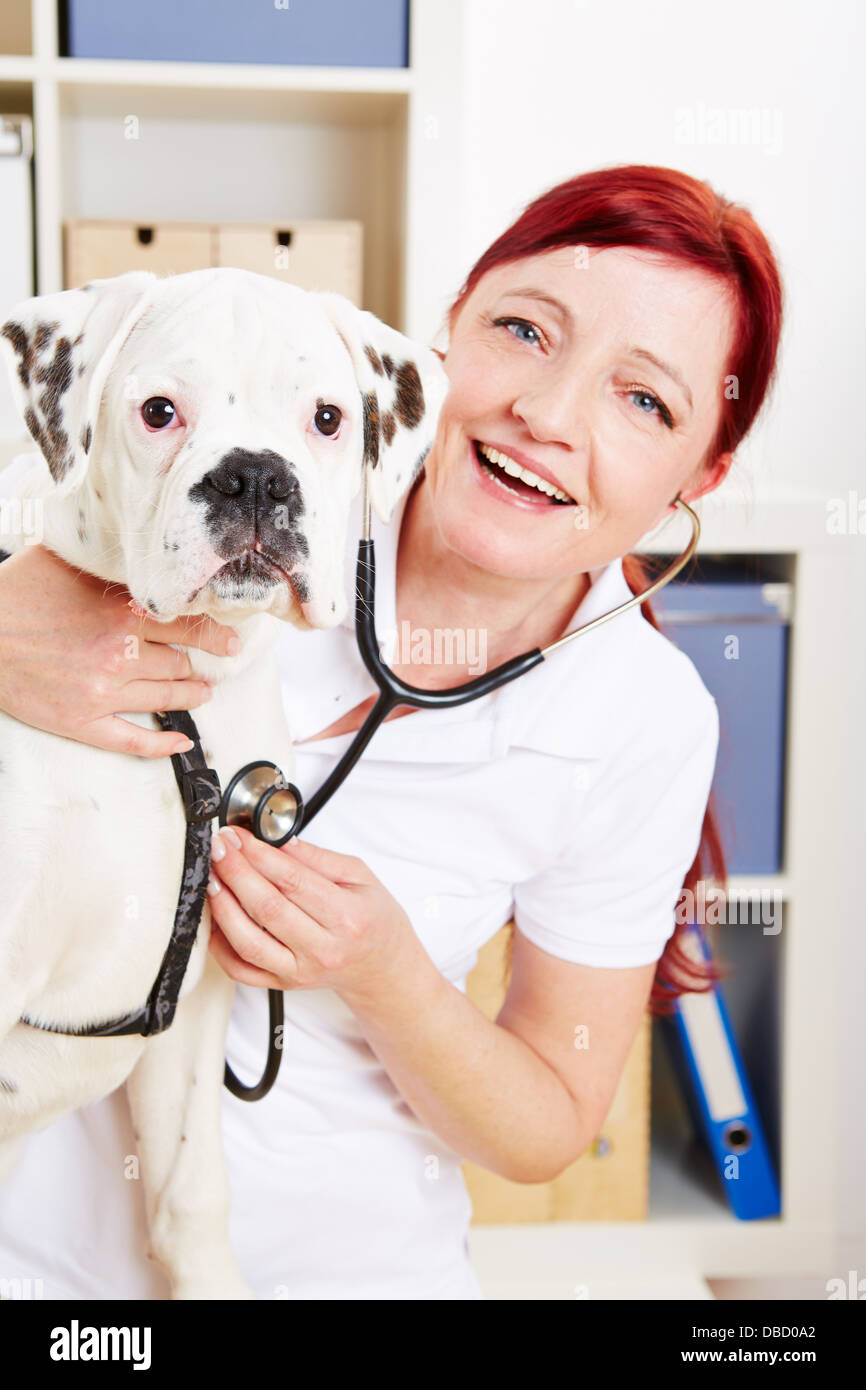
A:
(209, 432)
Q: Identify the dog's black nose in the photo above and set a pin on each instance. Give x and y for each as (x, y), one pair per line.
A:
(253, 501)
(254, 482)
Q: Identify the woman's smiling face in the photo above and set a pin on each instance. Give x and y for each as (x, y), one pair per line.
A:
(549, 364)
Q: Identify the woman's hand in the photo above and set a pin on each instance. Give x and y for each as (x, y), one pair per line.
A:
(72, 654)
(302, 917)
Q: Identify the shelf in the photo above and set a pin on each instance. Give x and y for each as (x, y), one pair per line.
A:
(202, 91)
(14, 68)
(248, 76)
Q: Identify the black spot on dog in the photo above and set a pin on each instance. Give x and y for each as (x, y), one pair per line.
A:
(17, 335)
(82, 368)
(409, 401)
(371, 428)
(333, 605)
(82, 526)
(152, 606)
(301, 586)
(388, 364)
(389, 426)
(86, 439)
(56, 375)
(98, 494)
(31, 420)
(374, 359)
(43, 335)
(8, 1085)
(231, 400)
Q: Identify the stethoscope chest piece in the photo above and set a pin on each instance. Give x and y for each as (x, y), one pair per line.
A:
(259, 799)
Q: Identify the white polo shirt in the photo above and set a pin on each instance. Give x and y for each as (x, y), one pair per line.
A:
(571, 799)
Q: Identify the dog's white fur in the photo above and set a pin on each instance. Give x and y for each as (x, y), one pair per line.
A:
(93, 841)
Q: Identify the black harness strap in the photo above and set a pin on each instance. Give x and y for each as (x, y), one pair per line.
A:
(200, 790)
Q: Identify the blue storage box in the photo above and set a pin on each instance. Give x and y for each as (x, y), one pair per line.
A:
(736, 634)
(321, 33)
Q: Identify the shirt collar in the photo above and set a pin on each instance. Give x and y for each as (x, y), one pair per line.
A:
(568, 705)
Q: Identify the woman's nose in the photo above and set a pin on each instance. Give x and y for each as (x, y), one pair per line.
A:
(553, 411)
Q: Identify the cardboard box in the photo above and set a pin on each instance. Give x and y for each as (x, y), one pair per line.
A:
(97, 250)
(610, 1182)
(323, 255)
(317, 255)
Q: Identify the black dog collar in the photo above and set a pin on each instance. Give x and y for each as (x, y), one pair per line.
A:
(201, 793)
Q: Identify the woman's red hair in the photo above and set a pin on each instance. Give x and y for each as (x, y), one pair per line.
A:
(667, 211)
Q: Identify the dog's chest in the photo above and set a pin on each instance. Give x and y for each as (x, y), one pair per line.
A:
(96, 841)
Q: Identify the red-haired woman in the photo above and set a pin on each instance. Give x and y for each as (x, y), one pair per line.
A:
(606, 355)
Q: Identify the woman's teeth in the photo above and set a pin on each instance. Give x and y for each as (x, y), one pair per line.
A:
(516, 470)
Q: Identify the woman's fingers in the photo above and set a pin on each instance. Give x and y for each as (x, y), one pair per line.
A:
(313, 880)
(272, 890)
(118, 735)
(145, 696)
(339, 868)
(255, 943)
(197, 630)
(235, 966)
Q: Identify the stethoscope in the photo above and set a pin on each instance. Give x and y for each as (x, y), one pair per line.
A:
(260, 799)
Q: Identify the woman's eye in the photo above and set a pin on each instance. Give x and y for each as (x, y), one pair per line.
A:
(512, 323)
(327, 419)
(158, 412)
(644, 397)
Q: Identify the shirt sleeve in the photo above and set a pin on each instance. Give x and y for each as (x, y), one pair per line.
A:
(609, 899)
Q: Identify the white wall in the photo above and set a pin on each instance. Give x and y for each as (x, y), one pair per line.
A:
(556, 87)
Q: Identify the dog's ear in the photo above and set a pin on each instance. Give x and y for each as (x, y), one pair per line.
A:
(60, 349)
(402, 386)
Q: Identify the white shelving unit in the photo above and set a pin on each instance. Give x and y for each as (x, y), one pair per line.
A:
(383, 145)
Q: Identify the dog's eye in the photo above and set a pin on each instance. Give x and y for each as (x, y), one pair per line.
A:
(158, 412)
(327, 419)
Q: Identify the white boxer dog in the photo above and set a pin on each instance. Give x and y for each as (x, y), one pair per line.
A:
(201, 439)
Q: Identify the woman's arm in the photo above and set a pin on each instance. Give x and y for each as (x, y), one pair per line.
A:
(67, 664)
(526, 1095)
(516, 1096)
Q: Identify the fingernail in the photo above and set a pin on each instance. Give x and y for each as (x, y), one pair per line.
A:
(233, 646)
(183, 747)
(231, 835)
(213, 886)
(217, 848)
